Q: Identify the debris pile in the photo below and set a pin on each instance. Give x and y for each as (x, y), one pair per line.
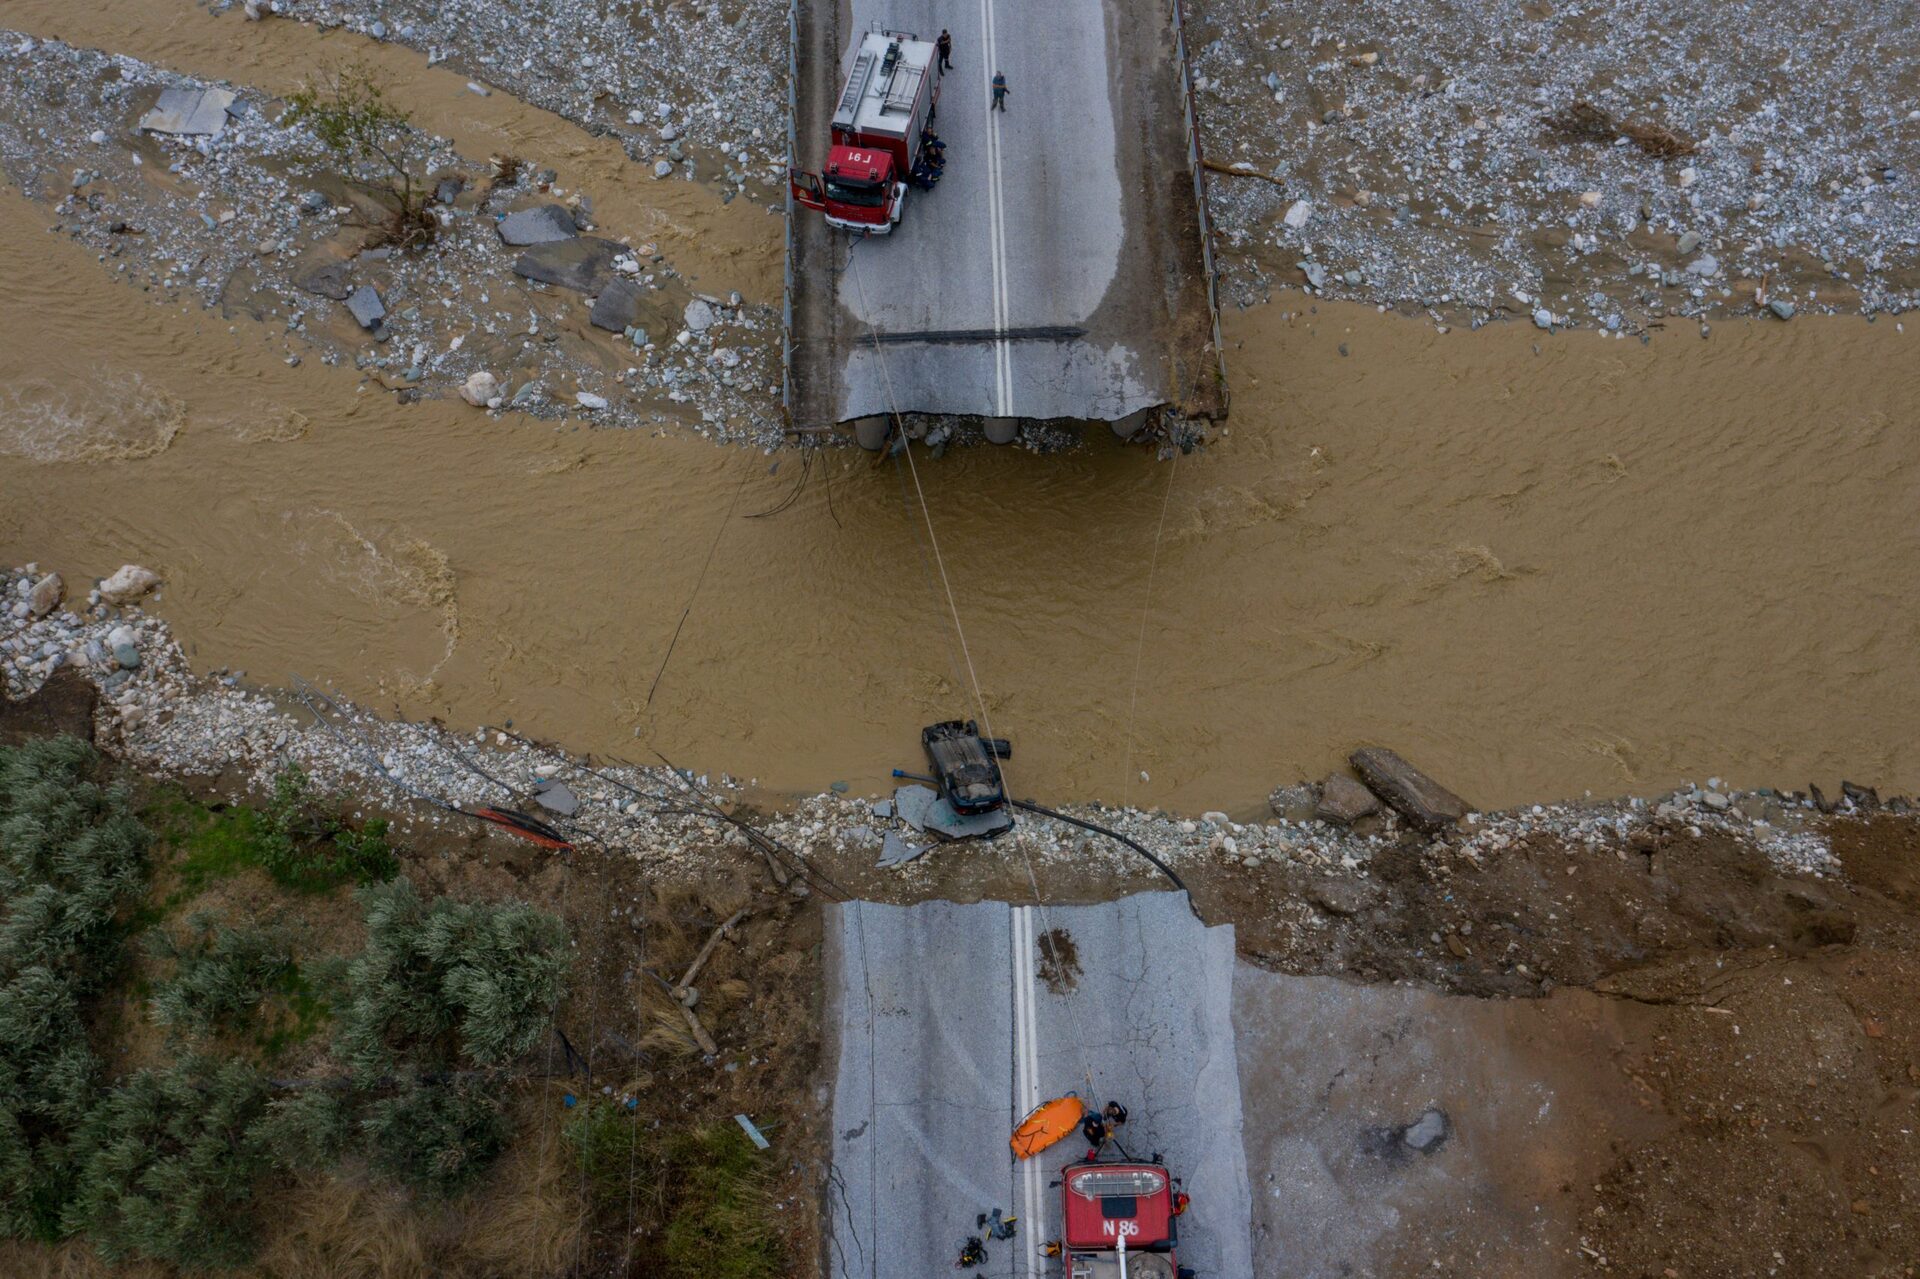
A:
(1604, 164)
(194, 191)
(694, 91)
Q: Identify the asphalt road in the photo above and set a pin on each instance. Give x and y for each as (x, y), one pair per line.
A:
(1054, 271)
(953, 1020)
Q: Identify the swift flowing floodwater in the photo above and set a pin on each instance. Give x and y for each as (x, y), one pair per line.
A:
(1599, 566)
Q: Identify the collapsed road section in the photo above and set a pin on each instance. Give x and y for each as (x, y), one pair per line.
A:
(955, 1021)
(1042, 260)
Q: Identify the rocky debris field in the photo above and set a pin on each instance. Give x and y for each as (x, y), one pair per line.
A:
(694, 90)
(169, 721)
(1410, 161)
(563, 321)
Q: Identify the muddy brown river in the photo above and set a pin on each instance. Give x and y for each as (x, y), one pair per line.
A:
(1537, 564)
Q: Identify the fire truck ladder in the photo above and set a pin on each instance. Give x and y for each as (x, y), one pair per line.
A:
(844, 114)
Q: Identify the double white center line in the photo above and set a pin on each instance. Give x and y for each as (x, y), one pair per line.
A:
(1026, 1070)
(996, 221)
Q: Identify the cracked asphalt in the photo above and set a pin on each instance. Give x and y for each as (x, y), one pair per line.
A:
(951, 1019)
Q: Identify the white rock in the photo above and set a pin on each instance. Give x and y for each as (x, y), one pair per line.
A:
(128, 583)
(1705, 265)
(699, 316)
(45, 595)
(588, 400)
(1591, 199)
(482, 389)
(1297, 215)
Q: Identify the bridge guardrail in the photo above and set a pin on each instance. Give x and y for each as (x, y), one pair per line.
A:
(793, 152)
(1190, 117)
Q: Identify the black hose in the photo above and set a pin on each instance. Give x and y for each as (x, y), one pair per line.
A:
(1110, 834)
(1097, 829)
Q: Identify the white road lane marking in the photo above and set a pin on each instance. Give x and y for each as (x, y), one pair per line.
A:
(1027, 1044)
(996, 220)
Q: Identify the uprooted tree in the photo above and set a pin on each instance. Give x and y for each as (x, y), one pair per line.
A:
(373, 141)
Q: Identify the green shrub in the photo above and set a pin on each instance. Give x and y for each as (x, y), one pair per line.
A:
(220, 975)
(448, 981)
(701, 1193)
(308, 1130)
(612, 1154)
(306, 846)
(167, 1165)
(720, 1224)
(300, 840)
(437, 1136)
(71, 859)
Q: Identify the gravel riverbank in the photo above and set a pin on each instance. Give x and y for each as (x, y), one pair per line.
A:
(160, 716)
(1411, 160)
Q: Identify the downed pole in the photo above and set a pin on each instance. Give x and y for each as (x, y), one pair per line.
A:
(1239, 170)
(686, 995)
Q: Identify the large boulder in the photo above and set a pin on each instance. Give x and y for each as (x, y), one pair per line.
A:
(128, 583)
(328, 280)
(482, 390)
(540, 225)
(1425, 803)
(1344, 801)
(45, 595)
(583, 264)
(619, 306)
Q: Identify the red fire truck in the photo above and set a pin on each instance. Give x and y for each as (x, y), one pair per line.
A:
(1120, 1221)
(885, 109)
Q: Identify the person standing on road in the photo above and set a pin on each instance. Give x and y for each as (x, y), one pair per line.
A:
(945, 45)
(999, 91)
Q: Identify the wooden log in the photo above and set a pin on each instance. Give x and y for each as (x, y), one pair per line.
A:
(706, 951)
(1428, 805)
(700, 1035)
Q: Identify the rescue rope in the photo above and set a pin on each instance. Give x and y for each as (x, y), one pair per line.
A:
(1146, 611)
(953, 608)
(697, 583)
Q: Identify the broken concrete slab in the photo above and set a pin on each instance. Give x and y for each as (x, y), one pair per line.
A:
(189, 112)
(618, 308)
(542, 224)
(556, 797)
(366, 307)
(329, 280)
(1428, 805)
(583, 263)
(912, 803)
(896, 851)
(1344, 801)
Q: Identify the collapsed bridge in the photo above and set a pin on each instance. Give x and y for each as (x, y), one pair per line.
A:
(1059, 267)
